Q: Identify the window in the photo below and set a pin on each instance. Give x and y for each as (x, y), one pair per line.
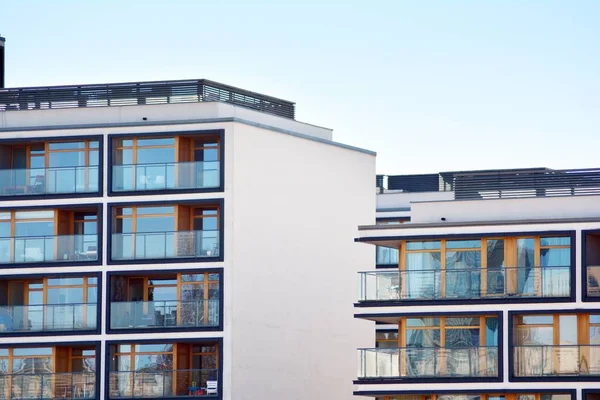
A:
(177, 300)
(386, 339)
(556, 344)
(51, 303)
(158, 163)
(48, 235)
(134, 366)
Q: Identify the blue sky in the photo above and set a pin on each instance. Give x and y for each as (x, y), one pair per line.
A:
(430, 85)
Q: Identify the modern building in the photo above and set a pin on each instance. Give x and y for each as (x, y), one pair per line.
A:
(176, 239)
(485, 288)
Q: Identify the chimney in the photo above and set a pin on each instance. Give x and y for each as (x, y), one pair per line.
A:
(2, 40)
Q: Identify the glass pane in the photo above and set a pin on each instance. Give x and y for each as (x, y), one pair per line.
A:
(567, 329)
(156, 224)
(423, 261)
(495, 253)
(425, 321)
(463, 244)
(66, 145)
(155, 155)
(156, 142)
(34, 214)
(555, 257)
(155, 210)
(555, 241)
(537, 320)
(525, 252)
(462, 337)
(65, 281)
(491, 331)
(66, 159)
(535, 335)
(423, 338)
(434, 245)
(465, 321)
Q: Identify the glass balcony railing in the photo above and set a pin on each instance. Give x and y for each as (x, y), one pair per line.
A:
(36, 249)
(164, 314)
(390, 285)
(432, 362)
(180, 175)
(163, 245)
(39, 181)
(563, 360)
(163, 384)
(73, 385)
(48, 317)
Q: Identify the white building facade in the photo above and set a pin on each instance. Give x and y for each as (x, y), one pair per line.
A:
(486, 287)
(176, 239)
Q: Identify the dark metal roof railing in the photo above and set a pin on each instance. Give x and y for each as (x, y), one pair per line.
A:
(139, 93)
(532, 183)
(505, 184)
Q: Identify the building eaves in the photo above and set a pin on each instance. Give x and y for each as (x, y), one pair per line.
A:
(415, 225)
(188, 122)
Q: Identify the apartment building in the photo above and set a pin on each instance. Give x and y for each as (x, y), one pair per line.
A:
(485, 288)
(176, 239)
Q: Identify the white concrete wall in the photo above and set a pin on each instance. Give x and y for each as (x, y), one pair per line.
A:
(292, 208)
(506, 209)
(405, 199)
(153, 113)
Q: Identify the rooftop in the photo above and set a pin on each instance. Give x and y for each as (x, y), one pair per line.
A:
(140, 93)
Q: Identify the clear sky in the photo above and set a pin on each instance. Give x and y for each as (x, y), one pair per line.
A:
(430, 85)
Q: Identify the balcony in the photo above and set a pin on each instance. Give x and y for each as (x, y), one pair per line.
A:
(166, 176)
(165, 245)
(48, 317)
(164, 314)
(559, 360)
(73, 385)
(52, 248)
(163, 384)
(432, 362)
(496, 283)
(49, 168)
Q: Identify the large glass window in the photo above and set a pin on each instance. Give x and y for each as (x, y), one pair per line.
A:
(177, 369)
(49, 304)
(156, 163)
(556, 344)
(165, 301)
